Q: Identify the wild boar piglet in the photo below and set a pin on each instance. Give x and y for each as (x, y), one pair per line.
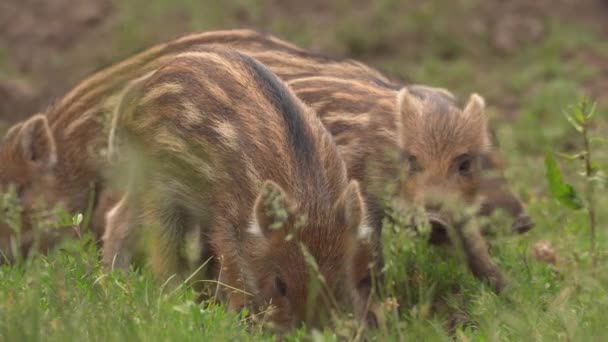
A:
(215, 140)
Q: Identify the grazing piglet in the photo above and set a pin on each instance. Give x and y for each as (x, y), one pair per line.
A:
(418, 137)
(216, 140)
(28, 163)
(442, 146)
(74, 171)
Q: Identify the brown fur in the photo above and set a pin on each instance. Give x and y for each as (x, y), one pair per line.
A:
(77, 125)
(80, 119)
(362, 117)
(436, 140)
(281, 167)
(420, 137)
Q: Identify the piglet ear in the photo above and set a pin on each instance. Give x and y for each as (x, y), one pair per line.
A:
(37, 143)
(475, 113)
(408, 106)
(355, 211)
(409, 110)
(476, 106)
(272, 209)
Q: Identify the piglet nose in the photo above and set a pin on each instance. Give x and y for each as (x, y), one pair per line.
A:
(439, 228)
(436, 220)
(437, 205)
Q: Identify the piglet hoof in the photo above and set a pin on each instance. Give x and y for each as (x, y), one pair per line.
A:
(522, 224)
(497, 279)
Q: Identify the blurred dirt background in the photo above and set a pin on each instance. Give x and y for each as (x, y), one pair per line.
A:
(492, 47)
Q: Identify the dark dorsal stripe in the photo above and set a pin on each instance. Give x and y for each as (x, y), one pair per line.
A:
(282, 100)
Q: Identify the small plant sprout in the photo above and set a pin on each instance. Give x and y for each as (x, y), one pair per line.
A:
(580, 117)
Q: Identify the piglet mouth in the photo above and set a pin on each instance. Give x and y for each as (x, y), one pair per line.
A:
(439, 228)
(436, 221)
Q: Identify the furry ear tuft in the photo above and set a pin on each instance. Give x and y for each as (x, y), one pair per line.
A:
(408, 106)
(409, 110)
(272, 209)
(476, 106)
(37, 143)
(475, 113)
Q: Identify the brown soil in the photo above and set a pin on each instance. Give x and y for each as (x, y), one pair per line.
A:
(36, 35)
(50, 45)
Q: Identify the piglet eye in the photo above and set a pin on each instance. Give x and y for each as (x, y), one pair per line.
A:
(280, 286)
(465, 164)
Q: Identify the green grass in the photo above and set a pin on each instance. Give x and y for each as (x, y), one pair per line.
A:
(67, 296)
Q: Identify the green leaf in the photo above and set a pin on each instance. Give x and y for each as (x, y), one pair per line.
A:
(77, 219)
(584, 110)
(564, 193)
(591, 111)
(579, 110)
(63, 218)
(573, 122)
(572, 156)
